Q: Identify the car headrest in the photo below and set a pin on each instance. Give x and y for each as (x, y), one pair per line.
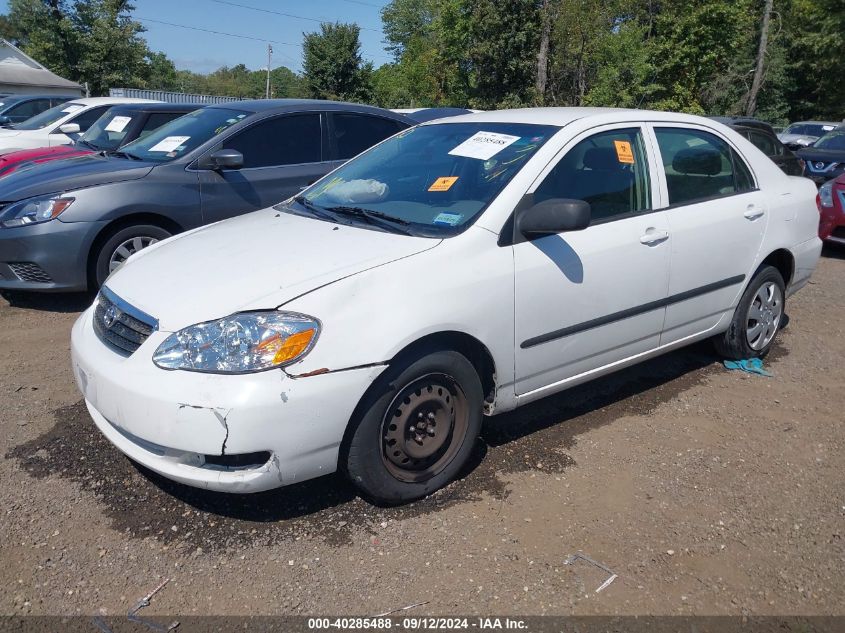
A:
(698, 162)
(601, 158)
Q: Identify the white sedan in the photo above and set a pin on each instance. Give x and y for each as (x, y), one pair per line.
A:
(54, 126)
(461, 268)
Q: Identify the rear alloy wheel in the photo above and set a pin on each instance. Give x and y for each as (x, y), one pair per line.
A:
(757, 318)
(416, 429)
(122, 245)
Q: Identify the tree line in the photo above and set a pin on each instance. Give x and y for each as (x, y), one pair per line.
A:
(775, 59)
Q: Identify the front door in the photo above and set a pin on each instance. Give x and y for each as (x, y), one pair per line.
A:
(282, 155)
(588, 299)
(717, 218)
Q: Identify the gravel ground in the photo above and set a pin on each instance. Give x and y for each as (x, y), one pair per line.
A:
(706, 491)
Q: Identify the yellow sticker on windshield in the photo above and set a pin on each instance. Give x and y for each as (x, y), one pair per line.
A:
(623, 152)
(444, 183)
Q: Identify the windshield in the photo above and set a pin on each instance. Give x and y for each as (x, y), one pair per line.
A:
(48, 117)
(831, 140)
(183, 135)
(108, 132)
(433, 179)
(808, 129)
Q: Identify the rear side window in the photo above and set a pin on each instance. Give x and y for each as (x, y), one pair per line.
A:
(87, 118)
(609, 170)
(353, 133)
(763, 142)
(285, 140)
(700, 165)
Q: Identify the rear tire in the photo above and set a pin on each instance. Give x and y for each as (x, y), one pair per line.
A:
(757, 319)
(120, 245)
(416, 429)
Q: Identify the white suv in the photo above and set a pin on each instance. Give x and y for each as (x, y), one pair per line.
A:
(53, 126)
(461, 268)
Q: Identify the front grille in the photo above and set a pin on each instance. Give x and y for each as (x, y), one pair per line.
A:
(120, 325)
(29, 271)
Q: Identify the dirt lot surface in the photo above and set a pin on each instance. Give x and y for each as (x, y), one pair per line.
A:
(706, 491)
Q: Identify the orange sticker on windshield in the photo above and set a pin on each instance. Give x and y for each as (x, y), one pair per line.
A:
(623, 152)
(444, 183)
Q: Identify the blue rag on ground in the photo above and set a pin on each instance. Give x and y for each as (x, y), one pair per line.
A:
(749, 365)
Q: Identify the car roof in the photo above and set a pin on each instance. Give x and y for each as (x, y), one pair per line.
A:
(94, 101)
(11, 98)
(281, 105)
(741, 120)
(157, 107)
(835, 123)
(565, 116)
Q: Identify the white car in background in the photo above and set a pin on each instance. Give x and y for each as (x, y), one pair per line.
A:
(805, 133)
(458, 269)
(53, 126)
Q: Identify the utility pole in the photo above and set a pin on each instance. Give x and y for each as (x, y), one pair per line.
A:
(269, 57)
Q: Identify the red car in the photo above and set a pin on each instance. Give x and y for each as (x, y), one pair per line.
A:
(120, 125)
(831, 201)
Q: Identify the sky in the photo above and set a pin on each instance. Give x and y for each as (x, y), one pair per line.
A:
(204, 52)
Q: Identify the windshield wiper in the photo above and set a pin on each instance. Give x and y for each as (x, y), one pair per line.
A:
(320, 212)
(126, 155)
(376, 218)
(88, 144)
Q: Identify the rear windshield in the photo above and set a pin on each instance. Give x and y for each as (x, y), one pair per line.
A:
(48, 117)
(183, 135)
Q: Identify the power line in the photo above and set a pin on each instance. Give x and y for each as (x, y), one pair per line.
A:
(287, 15)
(366, 4)
(243, 37)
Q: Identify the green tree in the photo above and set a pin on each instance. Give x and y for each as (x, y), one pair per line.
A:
(333, 68)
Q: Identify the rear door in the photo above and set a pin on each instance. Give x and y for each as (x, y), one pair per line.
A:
(717, 218)
(282, 154)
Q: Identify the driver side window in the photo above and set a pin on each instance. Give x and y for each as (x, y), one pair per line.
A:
(609, 170)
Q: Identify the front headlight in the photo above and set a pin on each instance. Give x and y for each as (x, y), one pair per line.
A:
(34, 210)
(241, 343)
(826, 194)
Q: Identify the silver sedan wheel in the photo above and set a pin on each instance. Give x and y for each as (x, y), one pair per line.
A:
(128, 248)
(764, 316)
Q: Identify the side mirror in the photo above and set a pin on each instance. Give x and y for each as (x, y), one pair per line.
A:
(4, 120)
(553, 216)
(69, 128)
(226, 159)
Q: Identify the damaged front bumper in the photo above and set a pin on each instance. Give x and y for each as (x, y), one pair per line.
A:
(230, 433)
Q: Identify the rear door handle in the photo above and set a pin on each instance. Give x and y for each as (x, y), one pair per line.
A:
(654, 237)
(753, 212)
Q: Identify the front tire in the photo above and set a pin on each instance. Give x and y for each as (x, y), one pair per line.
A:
(757, 318)
(121, 245)
(416, 428)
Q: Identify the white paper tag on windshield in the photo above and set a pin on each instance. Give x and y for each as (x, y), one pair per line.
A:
(169, 143)
(72, 108)
(484, 145)
(118, 123)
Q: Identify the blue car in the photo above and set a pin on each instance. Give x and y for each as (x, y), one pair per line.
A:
(19, 108)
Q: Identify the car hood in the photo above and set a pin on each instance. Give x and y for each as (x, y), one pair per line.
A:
(40, 154)
(256, 261)
(76, 172)
(824, 155)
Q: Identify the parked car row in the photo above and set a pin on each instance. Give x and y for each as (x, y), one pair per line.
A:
(76, 220)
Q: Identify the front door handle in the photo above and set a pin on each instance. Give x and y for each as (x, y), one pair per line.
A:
(654, 237)
(753, 212)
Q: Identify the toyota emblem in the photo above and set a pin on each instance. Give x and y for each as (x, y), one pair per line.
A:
(111, 315)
